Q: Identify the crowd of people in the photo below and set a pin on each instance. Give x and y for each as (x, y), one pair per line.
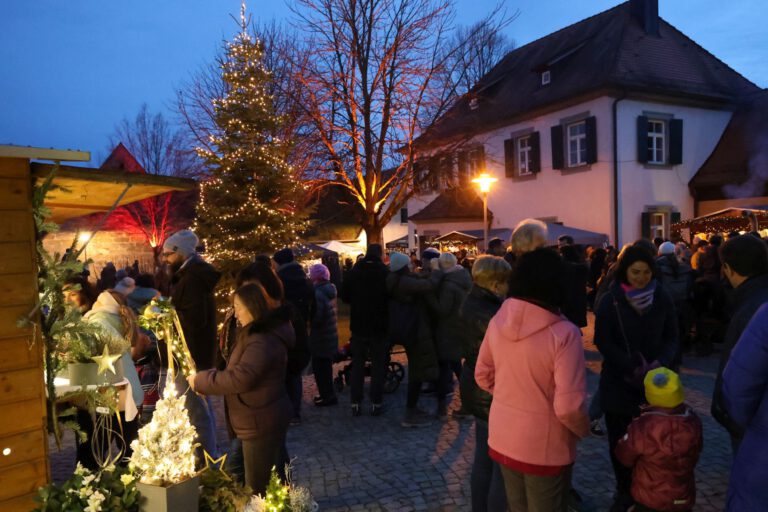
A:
(507, 327)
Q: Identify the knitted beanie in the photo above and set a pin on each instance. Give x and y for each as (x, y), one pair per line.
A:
(430, 253)
(184, 242)
(319, 272)
(398, 260)
(663, 388)
(666, 248)
(283, 256)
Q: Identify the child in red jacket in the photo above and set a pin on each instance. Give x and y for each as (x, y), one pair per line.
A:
(663, 447)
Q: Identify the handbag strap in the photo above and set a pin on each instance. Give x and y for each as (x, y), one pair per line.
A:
(621, 324)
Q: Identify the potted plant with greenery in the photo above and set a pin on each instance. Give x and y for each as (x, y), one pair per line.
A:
(112, 489)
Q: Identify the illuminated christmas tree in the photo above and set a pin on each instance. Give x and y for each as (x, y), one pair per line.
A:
(252, 203)
(164, 453)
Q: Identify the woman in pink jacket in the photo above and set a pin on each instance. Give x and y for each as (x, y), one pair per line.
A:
(532, 361)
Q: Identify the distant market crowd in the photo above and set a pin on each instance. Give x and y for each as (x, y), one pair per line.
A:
(506, 326)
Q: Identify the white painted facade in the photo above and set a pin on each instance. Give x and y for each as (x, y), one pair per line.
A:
(583, 197)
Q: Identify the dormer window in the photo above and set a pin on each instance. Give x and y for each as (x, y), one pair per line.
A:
(546, 77)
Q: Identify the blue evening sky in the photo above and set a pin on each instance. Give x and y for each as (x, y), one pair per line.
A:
(70, 70)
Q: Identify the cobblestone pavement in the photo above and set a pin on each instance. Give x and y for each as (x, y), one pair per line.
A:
(372, 463)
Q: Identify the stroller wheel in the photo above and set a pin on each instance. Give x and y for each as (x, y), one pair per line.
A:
(395, 375)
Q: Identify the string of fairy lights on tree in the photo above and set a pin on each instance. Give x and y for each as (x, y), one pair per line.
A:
(252, 203)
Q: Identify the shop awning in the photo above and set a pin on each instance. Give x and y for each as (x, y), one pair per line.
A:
(82, 190)
(725, 221)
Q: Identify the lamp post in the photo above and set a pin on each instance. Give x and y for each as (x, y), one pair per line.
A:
(484, 182)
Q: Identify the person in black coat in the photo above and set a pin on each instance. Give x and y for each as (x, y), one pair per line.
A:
(575, 287)
(299, 293)
(491, 276)
(635, 331)
(364, 289)
(192, 287)
(745, 265)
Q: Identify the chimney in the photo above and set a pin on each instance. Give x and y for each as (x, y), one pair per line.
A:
(646, 12)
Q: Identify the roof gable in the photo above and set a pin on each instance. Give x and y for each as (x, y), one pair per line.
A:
(122, 160)
(609, 51)
(738, 166)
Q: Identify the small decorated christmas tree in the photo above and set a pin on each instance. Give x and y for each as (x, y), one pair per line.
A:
(164, 453)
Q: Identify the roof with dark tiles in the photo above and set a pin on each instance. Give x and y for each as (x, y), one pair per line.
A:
(608, 52)
(452, 205)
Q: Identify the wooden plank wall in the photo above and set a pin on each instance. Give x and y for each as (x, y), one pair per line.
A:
(23, 440)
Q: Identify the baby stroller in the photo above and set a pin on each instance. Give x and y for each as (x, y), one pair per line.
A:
(392, 379)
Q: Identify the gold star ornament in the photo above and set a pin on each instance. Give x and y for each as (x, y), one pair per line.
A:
(212, 464)
(106, 361)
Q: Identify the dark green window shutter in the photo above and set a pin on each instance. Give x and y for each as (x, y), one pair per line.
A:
(674, 217)
(479, 154)
(463, 169)
(509, 158)
(558, 161)
(642, 139)
(403, 215)
(535, 153)
(675, 141)
(418, 177)
(434, 174)
(591, 126)
(645, 225)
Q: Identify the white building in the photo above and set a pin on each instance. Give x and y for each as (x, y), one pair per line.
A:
(599, 126)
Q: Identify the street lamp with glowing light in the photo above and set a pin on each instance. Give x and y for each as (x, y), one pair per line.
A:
(84, 237)
(484, 182)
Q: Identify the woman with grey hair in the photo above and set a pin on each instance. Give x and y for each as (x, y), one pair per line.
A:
(490, 275)
(529, 234)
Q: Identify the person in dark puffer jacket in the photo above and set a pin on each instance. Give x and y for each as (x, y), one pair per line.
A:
(491, 276)
(299, 293)
(323, 335)
(253, 383)
(663, 446)
(455, 283)
(745, 395)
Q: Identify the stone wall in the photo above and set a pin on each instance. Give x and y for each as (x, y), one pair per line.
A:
(119, 247)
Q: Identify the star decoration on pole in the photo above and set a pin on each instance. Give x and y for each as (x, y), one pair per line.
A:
(106, 361)
(211, 463)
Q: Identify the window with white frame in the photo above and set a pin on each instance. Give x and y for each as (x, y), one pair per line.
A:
(577, 144)
(657, 135)
(658, 225)
(523, 147)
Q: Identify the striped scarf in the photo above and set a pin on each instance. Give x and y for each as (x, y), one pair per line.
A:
(641, 299)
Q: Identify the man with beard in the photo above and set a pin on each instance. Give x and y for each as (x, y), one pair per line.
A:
(192, 283)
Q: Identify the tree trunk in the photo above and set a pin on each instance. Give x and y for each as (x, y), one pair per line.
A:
(374, 233)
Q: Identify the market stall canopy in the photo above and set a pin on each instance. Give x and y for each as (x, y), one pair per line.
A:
(457, 236)
(86, 190)
(580, 236)
(398, 242)
(340, 248)
(725, 221)
(554, 230)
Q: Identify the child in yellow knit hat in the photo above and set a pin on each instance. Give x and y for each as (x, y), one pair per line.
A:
(663, 446)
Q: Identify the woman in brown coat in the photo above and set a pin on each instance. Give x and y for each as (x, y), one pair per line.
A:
(253, 383)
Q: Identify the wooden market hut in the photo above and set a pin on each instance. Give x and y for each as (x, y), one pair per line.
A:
(724, 221)
(23, 437)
